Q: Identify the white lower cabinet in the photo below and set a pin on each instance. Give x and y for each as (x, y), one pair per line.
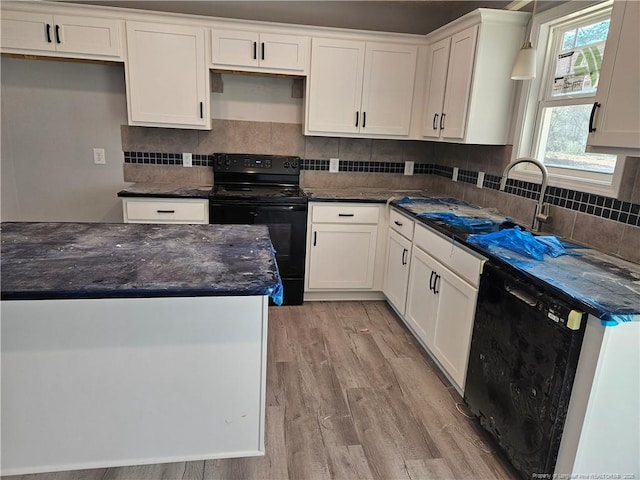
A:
(433, 284)
(398, 260)
(345, 251)
(343, 256)
(440, 308)
(395, 281)
(165, 210)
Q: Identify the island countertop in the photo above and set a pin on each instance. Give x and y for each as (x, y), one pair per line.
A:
(102, 260)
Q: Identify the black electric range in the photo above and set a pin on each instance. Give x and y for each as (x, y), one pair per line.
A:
(265, 190)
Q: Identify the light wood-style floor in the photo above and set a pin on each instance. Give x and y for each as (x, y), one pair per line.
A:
(350, 395)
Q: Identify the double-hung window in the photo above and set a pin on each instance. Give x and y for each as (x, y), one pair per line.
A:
(556, 107)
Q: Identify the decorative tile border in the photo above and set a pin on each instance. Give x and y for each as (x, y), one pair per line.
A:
(153, 158)
(598, 205)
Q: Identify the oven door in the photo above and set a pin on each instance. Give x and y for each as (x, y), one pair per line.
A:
(287, 227)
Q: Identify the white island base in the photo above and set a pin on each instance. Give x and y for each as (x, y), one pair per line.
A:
(113, 382)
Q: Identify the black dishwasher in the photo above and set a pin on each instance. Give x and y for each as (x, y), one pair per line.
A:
(522, 362)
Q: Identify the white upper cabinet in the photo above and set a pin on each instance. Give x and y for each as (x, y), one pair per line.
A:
(469, 91)
(436, 82)
(61, 35)
(259, 51)
(360, 88)
(167, 78)
(616, 116)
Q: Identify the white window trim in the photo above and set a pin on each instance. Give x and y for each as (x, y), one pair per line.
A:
(531, 93)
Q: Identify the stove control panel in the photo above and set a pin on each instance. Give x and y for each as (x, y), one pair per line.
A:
(269, 164)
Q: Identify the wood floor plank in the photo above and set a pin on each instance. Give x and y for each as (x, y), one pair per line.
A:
(306, 455)
(433, 406)
(279, 345)
(272, 466)
(348, 463)
(91, 474)
(338, 429)
(372, 362)
(432, 469)
(388, 431)
(160, 471)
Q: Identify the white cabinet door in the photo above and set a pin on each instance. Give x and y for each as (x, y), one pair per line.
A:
(83, 37)
(335, 86)
(254, 49)
(283, 52)
(453, 323)
(342, 256)
(387, 92)
(617, 120)
(360, 88)
(167, 79)
(458, 86)
(422, 303)
(440, 309)
(438, 61)
(234, 47)
(397, 271)
(32, 31)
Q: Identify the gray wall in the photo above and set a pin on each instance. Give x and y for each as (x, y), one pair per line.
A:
(53, 115)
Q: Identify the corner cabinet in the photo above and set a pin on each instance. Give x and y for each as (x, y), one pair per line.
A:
(469, 93)
(360, 88)
(260, 51)
(68, 36)
(616, 112)
(167, 76)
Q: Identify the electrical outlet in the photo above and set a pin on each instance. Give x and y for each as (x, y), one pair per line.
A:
(480, 181)
(454, 177)
(187, 160)
(99, 157)
(408, 167)
(334, 165)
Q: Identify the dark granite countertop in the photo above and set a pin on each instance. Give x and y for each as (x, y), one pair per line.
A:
(103, 260)
(368, 195)
(169, 190)
(603, 285)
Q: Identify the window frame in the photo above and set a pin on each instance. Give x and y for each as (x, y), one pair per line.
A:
(534, 97)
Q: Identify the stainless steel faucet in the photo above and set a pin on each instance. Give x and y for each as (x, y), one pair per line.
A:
(541, 214)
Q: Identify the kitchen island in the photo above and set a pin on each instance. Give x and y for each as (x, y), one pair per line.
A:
(133, 344)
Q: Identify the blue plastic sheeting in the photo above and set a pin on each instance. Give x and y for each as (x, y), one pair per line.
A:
(612, 291)
(276, 294)
(464, 223)
(521, 242)
(433, 201)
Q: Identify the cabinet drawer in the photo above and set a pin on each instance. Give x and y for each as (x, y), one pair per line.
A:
(401, 224)
(450, 254)
(342, 213)
(165, 211)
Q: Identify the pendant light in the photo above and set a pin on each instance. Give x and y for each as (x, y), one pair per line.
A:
(525, 66)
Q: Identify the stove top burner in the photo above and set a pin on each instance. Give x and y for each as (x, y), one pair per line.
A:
(258, 193)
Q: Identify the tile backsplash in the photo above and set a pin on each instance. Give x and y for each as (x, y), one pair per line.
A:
(612, 225)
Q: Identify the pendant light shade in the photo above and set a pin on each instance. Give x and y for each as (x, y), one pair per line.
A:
(525, 66)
